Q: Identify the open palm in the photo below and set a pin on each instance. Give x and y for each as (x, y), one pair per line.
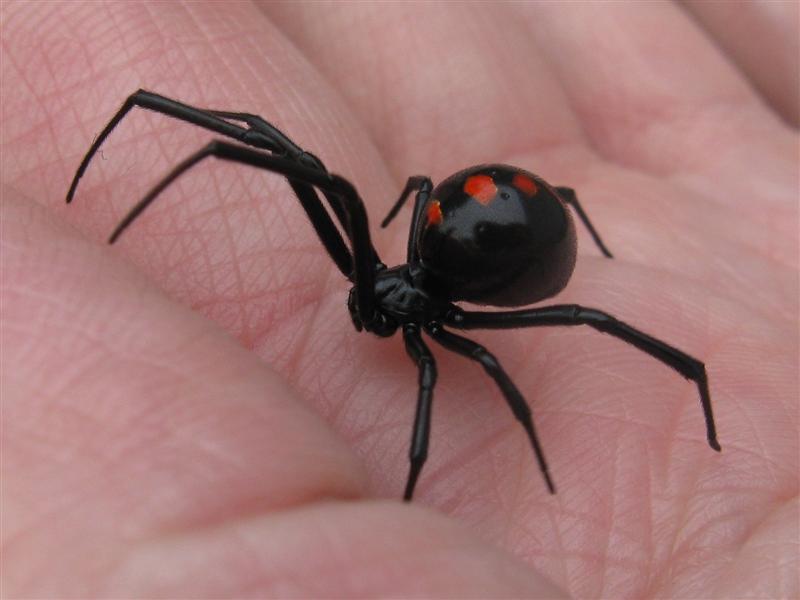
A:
(208, 423)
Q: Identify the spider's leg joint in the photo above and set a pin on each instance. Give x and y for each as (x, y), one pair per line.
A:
(259, 140)
(454, 316)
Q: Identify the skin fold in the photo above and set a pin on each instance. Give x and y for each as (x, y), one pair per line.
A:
(191, 414)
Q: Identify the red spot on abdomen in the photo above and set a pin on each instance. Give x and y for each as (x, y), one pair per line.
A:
(481, 188)
(525, 184)
(435, 216)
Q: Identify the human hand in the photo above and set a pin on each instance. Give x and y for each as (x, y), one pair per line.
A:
(146, 453)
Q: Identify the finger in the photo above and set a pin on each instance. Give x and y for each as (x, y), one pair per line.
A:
(125, 415)
(445, 86)
(652, 92)
(227, 239)
(763, 40)
(331, 550)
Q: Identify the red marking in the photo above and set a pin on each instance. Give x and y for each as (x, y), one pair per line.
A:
(481, 188)
(435, 216)
(525, 183)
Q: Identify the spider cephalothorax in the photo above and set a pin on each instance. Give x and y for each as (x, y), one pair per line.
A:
(490, 234)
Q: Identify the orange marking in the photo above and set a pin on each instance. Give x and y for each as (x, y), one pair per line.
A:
(435, 216)
(481, 188)
(525, 183)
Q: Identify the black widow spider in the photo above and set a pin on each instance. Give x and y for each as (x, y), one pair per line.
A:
(490, 234)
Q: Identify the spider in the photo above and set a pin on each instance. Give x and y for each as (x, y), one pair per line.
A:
(490, 234)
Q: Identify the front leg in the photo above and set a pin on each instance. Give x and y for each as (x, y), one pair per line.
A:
(178, 110)
(572, 314)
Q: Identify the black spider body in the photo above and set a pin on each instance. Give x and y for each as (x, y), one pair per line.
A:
(490, 234)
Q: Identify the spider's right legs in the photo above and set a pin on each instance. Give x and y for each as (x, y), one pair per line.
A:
(574, 315)
(426, 364)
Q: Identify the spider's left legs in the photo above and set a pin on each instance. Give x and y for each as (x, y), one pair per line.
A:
(422, 357)
(183, 112)
(572, 314)
(272, 133)
(519, 407)
(363, 259)
(260, 125)
(568, 195)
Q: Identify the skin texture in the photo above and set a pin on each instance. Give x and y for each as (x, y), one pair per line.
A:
(191, 414)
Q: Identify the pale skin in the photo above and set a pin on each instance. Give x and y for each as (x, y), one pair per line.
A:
(191, 414)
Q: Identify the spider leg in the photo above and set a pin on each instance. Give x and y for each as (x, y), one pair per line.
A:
(273, 134)
(259, 125)
(341, 191)
(260, 134)
(190, 114)
(415, 182)
(568, 195)
(572, 314)
(422, 357)
(423, 186)
(519, 407)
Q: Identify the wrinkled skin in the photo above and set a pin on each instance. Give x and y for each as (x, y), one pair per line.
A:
(190, 413)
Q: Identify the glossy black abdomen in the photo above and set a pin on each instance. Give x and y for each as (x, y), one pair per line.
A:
(495, 234)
